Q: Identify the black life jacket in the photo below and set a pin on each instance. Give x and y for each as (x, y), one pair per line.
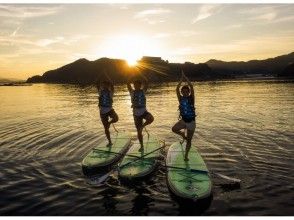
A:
(138, 99)
(105, 98)
(187, 109)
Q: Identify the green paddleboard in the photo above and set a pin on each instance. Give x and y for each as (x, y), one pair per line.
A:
(135, 165)
(185, 183)
(103, 155)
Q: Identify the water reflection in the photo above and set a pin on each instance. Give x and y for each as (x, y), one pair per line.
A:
(197, 208)
(244, 129)
(141, 202)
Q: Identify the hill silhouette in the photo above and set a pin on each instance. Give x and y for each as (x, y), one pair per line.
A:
(155, 69)
(272, 66)
(83, 71)
(288, 72)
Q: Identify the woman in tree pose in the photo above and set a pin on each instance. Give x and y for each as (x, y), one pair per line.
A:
(187, 117)
(140, 112)
(106, 91)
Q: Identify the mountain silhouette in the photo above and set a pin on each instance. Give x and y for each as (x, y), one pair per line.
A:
(288, 72)
(155, 69)
(272, 66)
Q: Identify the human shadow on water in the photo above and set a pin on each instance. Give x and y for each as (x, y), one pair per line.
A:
(111, 188)
(189, 207)
(109, 202)
(105, 201)
(141, 203)
(143, 199)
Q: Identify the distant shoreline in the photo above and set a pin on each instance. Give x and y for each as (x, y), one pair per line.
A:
(244, 79)
(15, 84)
(156, 69)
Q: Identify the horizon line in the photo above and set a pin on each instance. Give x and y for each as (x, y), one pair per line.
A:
(116, 58)
(155, 56)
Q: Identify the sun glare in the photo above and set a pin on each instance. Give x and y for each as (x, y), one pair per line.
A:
(129, 47)
(132, 62)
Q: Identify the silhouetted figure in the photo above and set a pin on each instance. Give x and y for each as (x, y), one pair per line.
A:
(186, 100)
(106, 91)
(139, 107)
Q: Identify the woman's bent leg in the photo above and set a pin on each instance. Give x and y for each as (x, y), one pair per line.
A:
(148, 119)
(114, 117)
(178, 127)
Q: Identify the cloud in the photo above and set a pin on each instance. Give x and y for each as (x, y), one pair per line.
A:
(25, 40)
(182, 33)
(21, 41)
(47, 42)
(151, 12)
(153, 16)
(264, 13)
(18, 39)
(233, 26)
(259, 12)
(124, 7)
(12, 17)
(206, 11)
(154, 21)
(19, 48)
(26, 11)
(283, 19)
(268, 14)
(75, 39)
(253, 47)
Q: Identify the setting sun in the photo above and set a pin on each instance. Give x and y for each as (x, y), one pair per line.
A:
(132, 62)
(129, 47)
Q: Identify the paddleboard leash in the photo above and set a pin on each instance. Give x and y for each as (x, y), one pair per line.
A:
(146, 131)
(114, 128)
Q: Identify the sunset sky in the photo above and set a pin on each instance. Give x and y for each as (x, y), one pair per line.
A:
(36, 38)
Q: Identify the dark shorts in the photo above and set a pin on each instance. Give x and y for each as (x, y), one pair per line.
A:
(188, 120)
(139, 119)
(105, 117)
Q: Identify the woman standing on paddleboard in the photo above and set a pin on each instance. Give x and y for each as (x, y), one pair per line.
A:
(139, 107)
(186, 100)
(106, 91)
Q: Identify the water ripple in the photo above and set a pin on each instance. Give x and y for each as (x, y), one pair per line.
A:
(242, 132)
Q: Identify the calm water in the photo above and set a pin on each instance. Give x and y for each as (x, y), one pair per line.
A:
(244, 130)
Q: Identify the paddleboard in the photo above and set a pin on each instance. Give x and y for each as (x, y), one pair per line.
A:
(104, 156)
(184, 182)
(138, 164)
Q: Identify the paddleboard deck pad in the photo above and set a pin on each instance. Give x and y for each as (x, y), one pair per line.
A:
(139, 164)
(102, 157)
(182, 181)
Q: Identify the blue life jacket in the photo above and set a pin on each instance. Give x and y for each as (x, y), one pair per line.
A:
(105, 98)
(138, 99)
(187, 109)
